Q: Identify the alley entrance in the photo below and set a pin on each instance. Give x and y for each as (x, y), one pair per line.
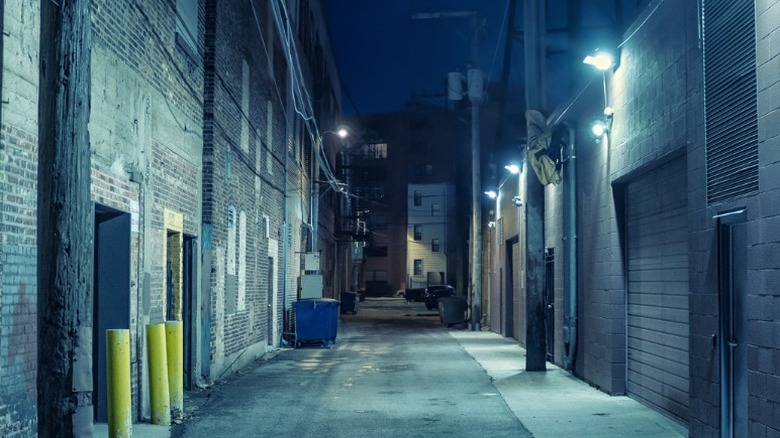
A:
(394, 371)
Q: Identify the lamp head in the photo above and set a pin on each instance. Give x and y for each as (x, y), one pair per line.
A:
(601, 60)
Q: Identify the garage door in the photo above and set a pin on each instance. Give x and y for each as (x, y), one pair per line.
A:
(657, 301)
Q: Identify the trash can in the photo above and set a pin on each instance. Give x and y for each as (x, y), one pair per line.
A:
(349, 302)
(316, 319)
(452, 310)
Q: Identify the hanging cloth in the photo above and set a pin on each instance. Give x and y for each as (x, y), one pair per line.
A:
(542, 154)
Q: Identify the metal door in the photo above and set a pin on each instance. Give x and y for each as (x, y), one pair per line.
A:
(657, 289)
(112, 293)
(733, 325)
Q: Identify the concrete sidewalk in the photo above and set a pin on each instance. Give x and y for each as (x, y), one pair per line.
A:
(555, 403)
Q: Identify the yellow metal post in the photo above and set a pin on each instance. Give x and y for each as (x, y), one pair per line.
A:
(120, 417)
(174, 337)
(158, 374)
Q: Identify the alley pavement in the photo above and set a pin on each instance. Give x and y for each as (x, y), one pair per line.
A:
(396, 371)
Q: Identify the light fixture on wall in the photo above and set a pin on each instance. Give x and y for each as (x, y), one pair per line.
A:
(600, 59)
(514, 167)
(601, 127)
(491, 193)
(517, 201)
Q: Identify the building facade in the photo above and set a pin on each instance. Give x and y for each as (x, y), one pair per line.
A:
(201, 185)
(673, 270)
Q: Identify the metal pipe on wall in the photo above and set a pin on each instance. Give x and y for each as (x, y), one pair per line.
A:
(570, 251)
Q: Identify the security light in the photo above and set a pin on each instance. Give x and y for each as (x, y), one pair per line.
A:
(342, 133)
(492, 194)
(601, 60)
(513, 168)
(599, 128)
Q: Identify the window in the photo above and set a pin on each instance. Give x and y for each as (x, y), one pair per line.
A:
(418, 267)
(187, 24)
(269, 139)
(435, 209)
(375, 150)
(418, 232)
(417, 198)
(244, 106)
(435, 245)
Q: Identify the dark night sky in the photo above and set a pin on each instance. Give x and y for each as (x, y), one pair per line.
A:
(383, 55)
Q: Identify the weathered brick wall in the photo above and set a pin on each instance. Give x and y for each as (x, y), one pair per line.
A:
(18, 200)
(657, 98)
(146, 136)
(244, 170)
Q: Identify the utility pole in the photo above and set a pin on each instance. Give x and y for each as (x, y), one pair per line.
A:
(536, 352)
(65, 222)
(475, 97)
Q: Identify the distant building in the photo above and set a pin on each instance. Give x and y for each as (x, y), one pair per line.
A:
(426, 149)
(429, 218)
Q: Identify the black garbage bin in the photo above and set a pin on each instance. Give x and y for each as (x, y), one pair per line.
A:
(452, 310)
(349, 302)
(316, 319)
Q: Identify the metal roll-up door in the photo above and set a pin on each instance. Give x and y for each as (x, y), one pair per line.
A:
(657, 289)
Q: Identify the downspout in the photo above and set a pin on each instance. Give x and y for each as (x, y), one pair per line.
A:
(570, 251)
(2, 40)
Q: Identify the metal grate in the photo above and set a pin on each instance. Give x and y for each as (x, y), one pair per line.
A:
(730, 101)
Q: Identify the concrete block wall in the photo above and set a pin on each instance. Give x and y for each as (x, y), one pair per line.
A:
(763, 301)
(657, 100)
(18, 235)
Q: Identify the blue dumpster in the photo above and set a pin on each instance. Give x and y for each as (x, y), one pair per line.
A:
(316, 319)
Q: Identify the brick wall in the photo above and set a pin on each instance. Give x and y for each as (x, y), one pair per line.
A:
(244, 169)
(18, 199)
(146, 137)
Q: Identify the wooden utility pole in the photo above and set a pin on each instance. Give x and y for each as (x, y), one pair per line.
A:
(65, 222)
(536, 352)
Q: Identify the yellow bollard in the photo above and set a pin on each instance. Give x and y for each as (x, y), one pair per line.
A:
(175, 341)
(158, 374)
(120, 417)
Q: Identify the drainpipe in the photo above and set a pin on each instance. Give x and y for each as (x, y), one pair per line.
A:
(570, 251)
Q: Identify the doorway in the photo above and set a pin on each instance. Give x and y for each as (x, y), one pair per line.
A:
(111, 304)
(270, 302)
(549, 302)
(509, 291)
(188, 300)
(732, 237)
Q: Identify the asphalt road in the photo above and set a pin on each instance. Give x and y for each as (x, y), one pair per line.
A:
(394, 371)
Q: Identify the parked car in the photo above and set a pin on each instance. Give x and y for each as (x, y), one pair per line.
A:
(414, 294)
(433, 293)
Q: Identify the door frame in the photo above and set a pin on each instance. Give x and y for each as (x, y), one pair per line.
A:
(732, 324)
